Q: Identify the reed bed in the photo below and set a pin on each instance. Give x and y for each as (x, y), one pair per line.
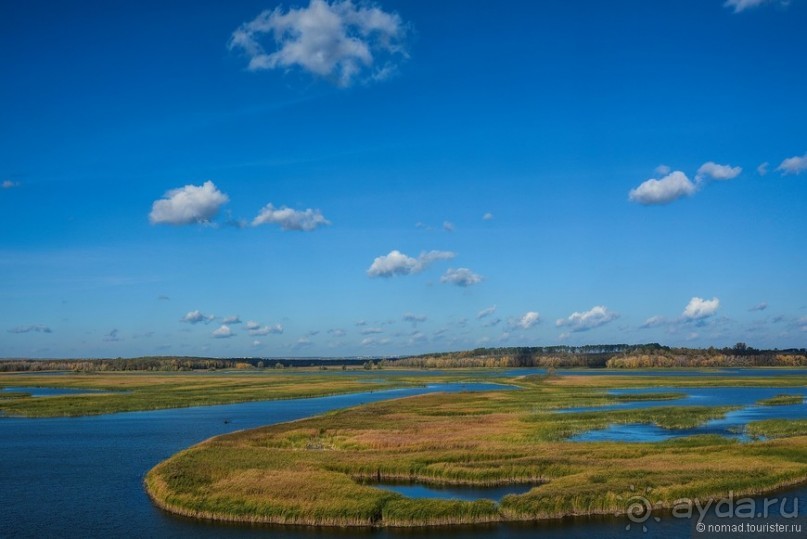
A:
(320, 471)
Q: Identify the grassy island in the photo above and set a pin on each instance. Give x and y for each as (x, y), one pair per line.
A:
(320, 471)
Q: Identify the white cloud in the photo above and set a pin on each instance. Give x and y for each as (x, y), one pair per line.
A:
(334, 40)
(742, 5)
(487, 217)
(662, 170)
(303, 342)
(397, 263)
(372, 341)
(37, 328)
(793, 165)
(528, 320)
(671, 187)
(593, 318)
(259, 330)
(653, 321)
(762, 169)
(337, 332)
(194, 317)
(448, 226)
(486, 312)
(759, 307)
(231, 320)
(223, 332)
(290, 219)
(371, 331)
(414, 318)
(8, 184)
(698, 308)
(460, 277)
(189, 204)
(717, 172)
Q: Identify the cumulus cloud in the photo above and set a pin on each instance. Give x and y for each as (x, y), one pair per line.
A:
(486, 312)
(223, 332)
(593, 318)
(255, 329)
(290, 219)
(671, 187)
(36, 328)
(742, 5)
(793, 165)
(194, 317)
(759, 307)
(487, 216)
(397, 263)
(187, 205)
(230, 320)
(699, 308)
(8, 184)
(717, 172)
(460, 277)
(337, 332)
(528, 320)
(334, 40)
(448, 226)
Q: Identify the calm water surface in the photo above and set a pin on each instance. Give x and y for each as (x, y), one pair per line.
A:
(82, 477)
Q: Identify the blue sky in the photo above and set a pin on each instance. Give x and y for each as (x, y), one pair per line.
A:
(336, 178)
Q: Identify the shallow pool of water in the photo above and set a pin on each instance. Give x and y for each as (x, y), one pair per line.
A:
(49, 391)
(454, 492)
(732, 425)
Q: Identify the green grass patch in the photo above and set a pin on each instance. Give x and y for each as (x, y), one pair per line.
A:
(782, 400)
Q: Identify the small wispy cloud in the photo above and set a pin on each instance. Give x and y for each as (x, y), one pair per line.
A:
(460, 277)
(486, 312)
(8, 184)
(762, 169)
(188, 205)
(337, 41)
(487, 216)
(584, 321)
(448, 226)
(230, 320)
(414, 318)
(397, 263)
(112, 336)
(759, 307)
(291, 219)
(654, 321)
(793, 165)
(742, 5)
(36, 328)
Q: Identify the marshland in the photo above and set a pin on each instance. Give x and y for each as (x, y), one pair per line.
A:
(307, 446)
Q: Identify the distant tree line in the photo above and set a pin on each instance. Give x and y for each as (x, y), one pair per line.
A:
(167, 364)
(609, 356)
(614, 356)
